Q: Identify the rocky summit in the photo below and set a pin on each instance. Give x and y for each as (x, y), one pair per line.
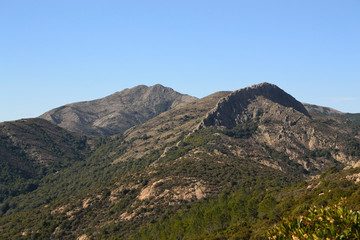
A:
(116, 113)
(233, 109)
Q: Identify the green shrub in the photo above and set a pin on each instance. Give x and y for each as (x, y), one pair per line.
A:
(244, 130)
(335, 222)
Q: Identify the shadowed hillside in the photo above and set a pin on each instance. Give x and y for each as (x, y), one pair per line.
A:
(32, 148)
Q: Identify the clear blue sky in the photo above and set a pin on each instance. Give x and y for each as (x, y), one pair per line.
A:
(57, 52)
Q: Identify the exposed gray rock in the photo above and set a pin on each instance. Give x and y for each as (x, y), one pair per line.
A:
(118, 112)
(229, 110)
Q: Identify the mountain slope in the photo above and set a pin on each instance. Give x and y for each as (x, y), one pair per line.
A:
(237, 146)
(167, 128)
(250, 214)
(323, 110)
(31, 149)
(283, 126)
(233, 109)
(326, 111)
(116, 113)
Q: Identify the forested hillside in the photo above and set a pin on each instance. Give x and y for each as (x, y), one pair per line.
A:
(228, 166)
(31, 149)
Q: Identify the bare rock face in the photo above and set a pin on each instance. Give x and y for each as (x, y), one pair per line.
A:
(284, 125)
(230, 110)
(118, 112)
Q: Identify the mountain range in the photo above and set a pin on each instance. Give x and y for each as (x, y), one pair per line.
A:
(151, 163)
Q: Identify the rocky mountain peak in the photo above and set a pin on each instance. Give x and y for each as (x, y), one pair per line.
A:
(229, 110)
(117, 112)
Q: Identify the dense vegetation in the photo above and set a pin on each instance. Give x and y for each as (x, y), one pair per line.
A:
(352, 116)
(31, 150)
(77, 176)
(245, 203)
(330, 222)
(250, 214)
(247, 213)
(242, 130)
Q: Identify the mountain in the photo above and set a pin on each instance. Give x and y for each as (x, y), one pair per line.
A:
(326, 111)
(229, 165)
(323, 110)
(31, 149)
(234, 109)
(116, 113)
(262, 114)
